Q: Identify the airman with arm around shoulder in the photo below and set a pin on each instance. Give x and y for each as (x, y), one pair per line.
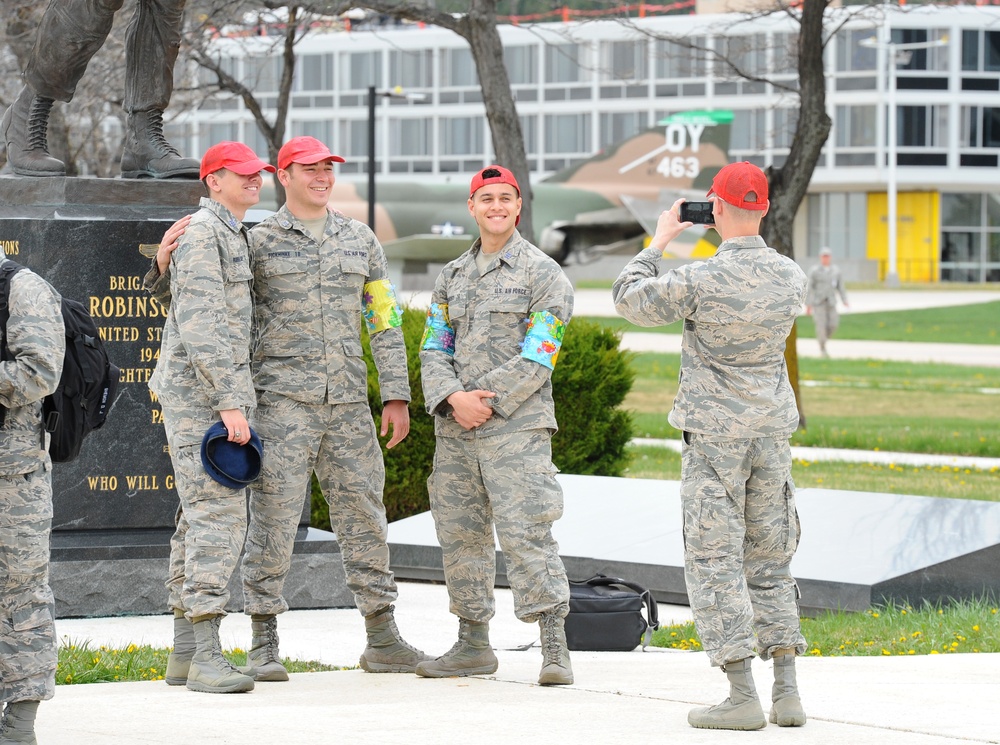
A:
(318, 276)
(202, 380)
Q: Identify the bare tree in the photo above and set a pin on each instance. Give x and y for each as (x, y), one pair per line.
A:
(788, 182)
(478, 26)
(210, 57)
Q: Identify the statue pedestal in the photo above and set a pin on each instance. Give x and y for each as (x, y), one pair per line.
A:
(114, 507)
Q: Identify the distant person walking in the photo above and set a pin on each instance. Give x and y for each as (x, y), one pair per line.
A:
(736, 410)
(825, 283)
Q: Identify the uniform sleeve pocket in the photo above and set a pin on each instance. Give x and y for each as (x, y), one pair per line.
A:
(273, 267)
(354, 265)
(274, 346)
(510, 304)
(237, 271)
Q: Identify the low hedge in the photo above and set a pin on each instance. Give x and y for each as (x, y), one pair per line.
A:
(589, 384)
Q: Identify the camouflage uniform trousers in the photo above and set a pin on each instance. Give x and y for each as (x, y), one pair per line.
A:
(27, 608)
(211, 520)
(741, 530)
(827, 320)
(505, 480)
(339, 443)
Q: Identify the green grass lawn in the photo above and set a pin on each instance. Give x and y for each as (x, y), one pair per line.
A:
(967, 626)
(650, 462)
(960, 324)
(81, 662)
(859, 404)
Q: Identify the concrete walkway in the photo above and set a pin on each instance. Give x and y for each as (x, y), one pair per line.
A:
(862, 456)
(599, 303)
(971, 355)
(618, 697)
(627, 698)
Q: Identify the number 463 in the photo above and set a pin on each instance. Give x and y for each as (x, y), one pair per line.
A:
(679, 167)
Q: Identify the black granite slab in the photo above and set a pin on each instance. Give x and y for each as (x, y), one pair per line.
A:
(857, 548)
(114, 507)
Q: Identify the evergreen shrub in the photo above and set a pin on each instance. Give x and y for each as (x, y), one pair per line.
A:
(590, 381)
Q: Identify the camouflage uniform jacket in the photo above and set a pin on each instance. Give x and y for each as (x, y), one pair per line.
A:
(310, 301)
(825, 283)
(37, 342)
(738, 309)
(488, 318)
(205, 351)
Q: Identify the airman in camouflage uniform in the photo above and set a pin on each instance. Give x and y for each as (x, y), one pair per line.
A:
(491, 341)
(36, 339)
(317, 274)
(736, 410)
(825, 283)
(202, 375)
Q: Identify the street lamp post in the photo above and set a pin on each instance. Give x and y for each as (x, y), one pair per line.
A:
(371, 157)
(896, 54)
(372, 95)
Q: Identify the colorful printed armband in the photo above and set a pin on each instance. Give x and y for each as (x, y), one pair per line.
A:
(543, 339)
(439, 336)
(381, 311)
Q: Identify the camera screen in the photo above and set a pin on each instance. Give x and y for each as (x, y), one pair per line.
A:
(700, 213)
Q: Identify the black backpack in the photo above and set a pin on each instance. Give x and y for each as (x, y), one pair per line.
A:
(87, 386)
(605, 615)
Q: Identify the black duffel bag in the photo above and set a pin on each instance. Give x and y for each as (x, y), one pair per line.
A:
(605, 615)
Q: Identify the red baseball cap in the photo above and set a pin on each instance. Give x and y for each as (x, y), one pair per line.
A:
(305, 150)
(234, 156)
(505, 177)
(737, 180)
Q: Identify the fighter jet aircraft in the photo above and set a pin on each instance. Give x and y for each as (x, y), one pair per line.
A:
(609, 202)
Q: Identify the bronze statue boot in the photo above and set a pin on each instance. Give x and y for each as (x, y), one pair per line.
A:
(148, 154)
(24, 129)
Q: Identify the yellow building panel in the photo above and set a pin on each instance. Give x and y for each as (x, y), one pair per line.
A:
(918, 235)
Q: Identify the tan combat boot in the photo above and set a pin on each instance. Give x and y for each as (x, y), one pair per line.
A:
(386, 651)
(556, 668)
(470, 655)
(25, 129)
(263, 660)
(18, 725)
(786, 707)
(741, 710)
(210, 672)
(179, 661)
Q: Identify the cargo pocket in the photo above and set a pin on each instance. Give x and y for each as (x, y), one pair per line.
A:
(710, 528)
(544, 501)
(29, 651)
(792, 525)
(24, 554)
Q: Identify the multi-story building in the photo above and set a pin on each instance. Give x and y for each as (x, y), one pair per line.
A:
(582, 86)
